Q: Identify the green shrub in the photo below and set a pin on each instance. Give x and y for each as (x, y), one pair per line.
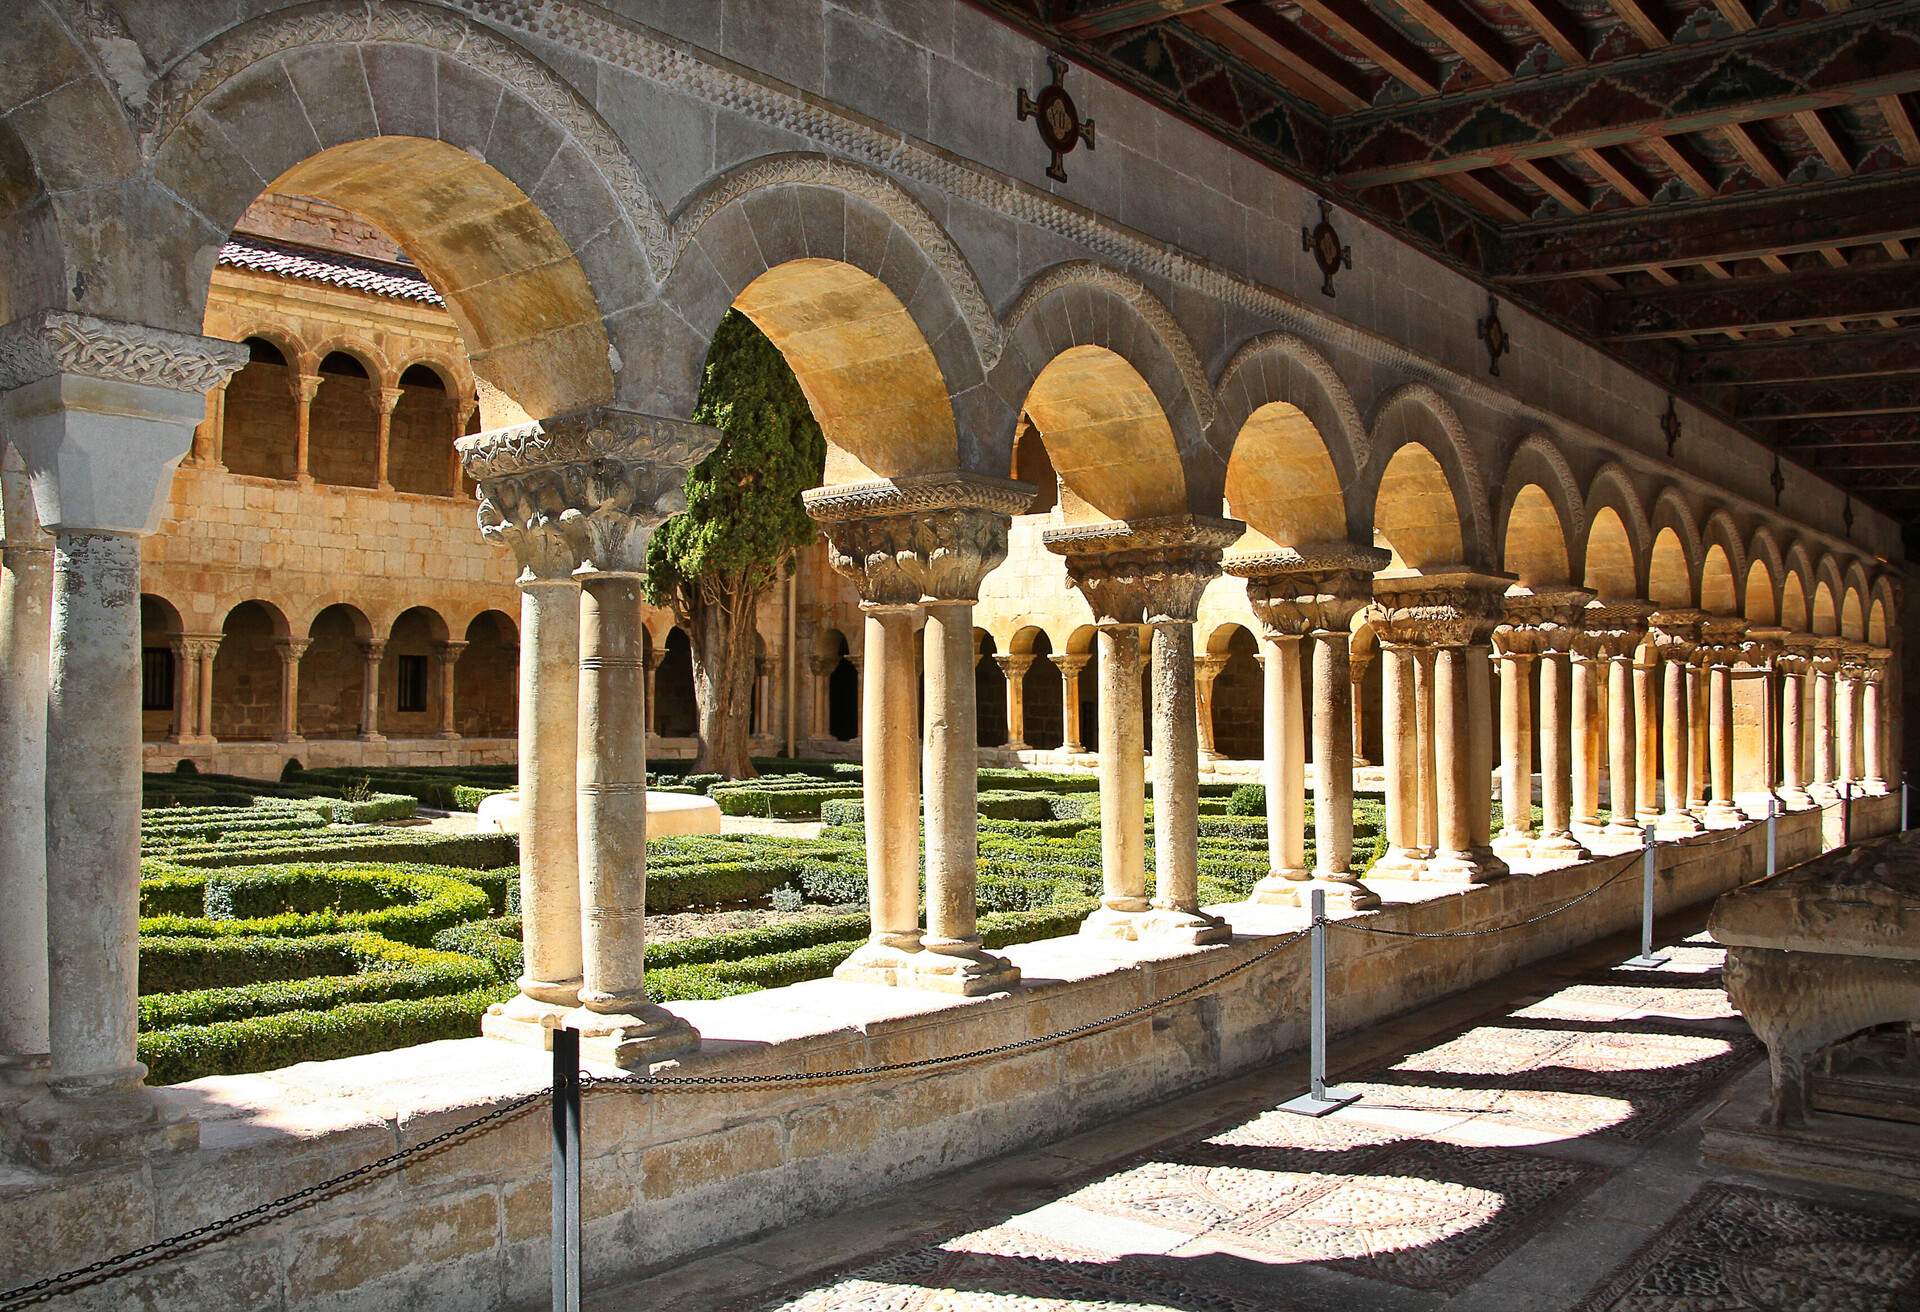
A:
(1248, 799)
(340, 969)
(300, 900)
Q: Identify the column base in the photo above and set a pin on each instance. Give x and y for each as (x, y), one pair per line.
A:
(1823, 794)
(1179, 925)
(290, 739)
(1513, 844)
(969, 971)
(1872, 788)
(1121, 922)
(1722, 815)
(527, 1020)
(1624, 831)
(1401, 863)
(1796, 799)
(371, 738)
(22, 1076)
(1467, 867)
(1677, 824)
(73, 1132)
(1279, 888)
(1342, 894)
(1562, 846)
(875, 962)
(637, 1037)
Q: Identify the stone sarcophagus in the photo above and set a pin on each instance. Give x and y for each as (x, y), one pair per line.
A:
(1819, 953)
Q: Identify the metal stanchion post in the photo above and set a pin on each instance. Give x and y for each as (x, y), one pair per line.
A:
(1318, 1100)
(1773, 836)
(1648, 958)
(1846, 813)
(1906, 799)
(566, 1170)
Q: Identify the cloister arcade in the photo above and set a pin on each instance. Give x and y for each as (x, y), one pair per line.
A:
(1331, 545)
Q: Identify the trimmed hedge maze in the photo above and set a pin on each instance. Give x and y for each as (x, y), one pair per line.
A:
(281, 923)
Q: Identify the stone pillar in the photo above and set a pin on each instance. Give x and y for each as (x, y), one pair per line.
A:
(1620, 626)
(1426, 809)
(1357, 681)
(1720, 648)
(1453, 614)
(291, 650)
(1697, 780)
(822, 701)
(1540, 628)
(372, 652)
(1872, 722)
(1516, 743)
(1556, 841)
(1400, 732)
(1826, 665)
(1646, 722)
(446, 655)
(462, 410)
(1672, 635)
(655, 658)
(1588, 668)
(101, 414)
(588, 489)
(209, 651)
(763, 696)
(305, 388)
(26, 594)
(923, 540)
(1755, 758)
(186, 686)
(1792, 666)
(384, 399)
(1205, 670)
(1311, 594)
(1014, 667)
(1152, 572)
(209, 439)
(1846, 720)
(1070, 666)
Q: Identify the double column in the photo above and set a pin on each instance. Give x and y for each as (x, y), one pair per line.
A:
(1792, 666)
(1672, 643)
(101, 414)
(912, 546)
(1615, 630)
(26, 598)
(1720, 650)
(576, 498)
(1451, 614)
(1308, 598)
(1538, 632)
(1070, 666)
(1149, 572)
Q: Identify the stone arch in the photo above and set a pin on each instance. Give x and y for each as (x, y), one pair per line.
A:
(1417, 415)
(1117, 391)
(1292, 440)
(411, 673)
(1541, 514)
(370, 357)
(1043, 706)
(247, 672)
(1796, 589)
(332, 672)
(1720, 530)
(989, 691)
(420, 432)
(1239, 695)
(1853, 615)
(1613, 488)
(1764, 549)
(1719, 590)
(1609, 565)
(1826, 598)
(343, 422)
(504, 223)
(1760, 593)
(1416, 513)
(485, 677)
(675, 713)
(1885, 611)
(258, 426)
(160, 671)
(1669, 570)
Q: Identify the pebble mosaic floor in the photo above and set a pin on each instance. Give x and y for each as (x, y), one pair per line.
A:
(1536, 1149)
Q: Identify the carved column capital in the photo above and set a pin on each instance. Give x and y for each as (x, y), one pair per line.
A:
(1069, 663)
(1144, 571)
(1319, 589)
(304, 388)
(820, 665)
(921, 537)
(448, 652)
(1721, 639)
(1540, 620)
(601, 479)
(1456, 608)
(1613, 628)
(384, 399)
(55, 342)
(292, 649)
(373, 648)
(1014, 664)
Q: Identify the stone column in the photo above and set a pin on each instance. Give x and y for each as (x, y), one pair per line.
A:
(1872, 723)
(1588, 668)
(209, 651)
(291, 650)
(1152, 572)
(763, 697)
(383, 399)
(1720, 647)
(462, 410)
(26, 594)
(923, 540)
(655, 659)
(1516, 742)
(101, 414)
(1697, 772)
(1453, 613)
(1646, 721)
(372, 652)
(822, 704)
(1405, 856)
(1014, 667)
(1826, 665)
(1846, 720)
(186, 686)
(1315, 592)
(1357, 680)
(305, 388)
(209, 439)
(514, 515)
(1205, 670)
(1756, 780)
(1543, 621)
(1792, 665)
(446, 655)
(588, 489)
(1620, 625)
(1672, 635)
(1070, 666)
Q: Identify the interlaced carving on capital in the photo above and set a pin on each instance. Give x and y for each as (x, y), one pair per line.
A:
(922, 536)
(59, 342)
(1613, 628)
(593, 484)
(1145, 571)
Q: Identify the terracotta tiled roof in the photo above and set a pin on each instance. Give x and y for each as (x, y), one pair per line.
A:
(375, 277)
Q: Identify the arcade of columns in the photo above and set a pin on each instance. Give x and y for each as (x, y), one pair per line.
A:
(1674, 706)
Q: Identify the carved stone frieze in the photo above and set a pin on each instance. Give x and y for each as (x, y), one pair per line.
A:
(1763, 645)
(1144, 571)
(58, 342)
(929, 537)
(585, 489)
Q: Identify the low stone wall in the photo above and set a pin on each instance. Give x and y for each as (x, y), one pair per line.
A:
(264, 760)
(667, 1175)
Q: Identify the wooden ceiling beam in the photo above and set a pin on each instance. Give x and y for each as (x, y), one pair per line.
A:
(1280, 48)
(1556, 181)
(1105, 17)
(1750, 304)
(1900, 123)
(1859, 355)
(1360, 26)
(1555, 26)
(1641, 22)
(1491, 193)
(1862, 211)
(1462, 31)
(1813, 64)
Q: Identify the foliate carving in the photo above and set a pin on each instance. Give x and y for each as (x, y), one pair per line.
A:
(204, 71)
(1101, 277)
(583, 490)
(1721, 638)
(58, 342)
(1675, 633)
(1551, 615)
(879, 191)
(1440, 610)
(1144, 571)
(919, 537)
(1323, 599)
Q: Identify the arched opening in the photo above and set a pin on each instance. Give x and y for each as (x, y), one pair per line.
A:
(1669, 581)
(1107, 437)
(1239, 708)
(420, 435)
(1717, 591)
(1853, 617)
(333, 673)
(342, 444)
(1041, 703)
(677, 715)
(1795, 614)
(1826, 615)
(1535, 547)
(247, 673)
(161, 669)
(1080, 644)
(1364, 655)
(486, 678)
(1877, 630)
(1032, 464)
(1608, 569)
(843, 693)
(989, 692)
(1760, 608)
(258, 420)
(1281, 482)
(1415, 516)
(411, 674)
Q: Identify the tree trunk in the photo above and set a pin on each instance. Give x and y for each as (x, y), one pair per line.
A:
(722, 638)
